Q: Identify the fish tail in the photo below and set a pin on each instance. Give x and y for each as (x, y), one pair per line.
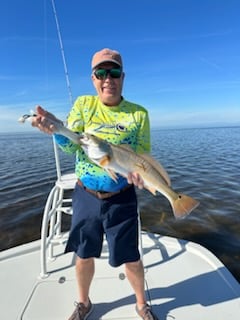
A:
(183, 205)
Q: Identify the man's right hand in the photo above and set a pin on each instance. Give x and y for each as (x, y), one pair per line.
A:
(44, 120)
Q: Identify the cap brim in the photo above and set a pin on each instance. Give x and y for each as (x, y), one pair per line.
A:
(105, 61)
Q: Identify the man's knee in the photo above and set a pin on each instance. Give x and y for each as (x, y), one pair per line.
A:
(135, 265)
(84, 261)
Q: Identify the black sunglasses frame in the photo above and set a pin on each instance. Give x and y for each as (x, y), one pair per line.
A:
(114, 73)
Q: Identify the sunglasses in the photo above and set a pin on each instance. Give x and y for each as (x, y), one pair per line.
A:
(101, 74)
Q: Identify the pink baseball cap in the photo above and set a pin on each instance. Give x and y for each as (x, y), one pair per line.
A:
(106, 55)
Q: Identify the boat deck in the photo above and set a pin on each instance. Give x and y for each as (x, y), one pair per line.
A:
(183, 281)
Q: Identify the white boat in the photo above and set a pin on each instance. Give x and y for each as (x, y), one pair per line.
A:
(183, 279)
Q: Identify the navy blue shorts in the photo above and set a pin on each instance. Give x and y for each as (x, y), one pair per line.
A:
(117, 217)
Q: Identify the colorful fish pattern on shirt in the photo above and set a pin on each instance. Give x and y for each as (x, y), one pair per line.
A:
(126, 123)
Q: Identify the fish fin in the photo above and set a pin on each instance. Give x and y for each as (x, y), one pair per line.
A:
(104, 161)
(151, 189)
(157, 166)
(112, 174)
(183, 205)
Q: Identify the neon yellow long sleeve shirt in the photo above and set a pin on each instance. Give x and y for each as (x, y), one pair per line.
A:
(126, 123)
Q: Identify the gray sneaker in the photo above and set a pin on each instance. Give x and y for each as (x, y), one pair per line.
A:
(81, 312)
(146, 313)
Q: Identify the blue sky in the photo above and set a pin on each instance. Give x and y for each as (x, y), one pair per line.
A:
(181, 57)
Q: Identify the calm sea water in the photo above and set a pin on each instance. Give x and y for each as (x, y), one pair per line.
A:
(203, 163)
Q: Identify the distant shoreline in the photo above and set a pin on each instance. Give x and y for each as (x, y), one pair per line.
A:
(154, 128)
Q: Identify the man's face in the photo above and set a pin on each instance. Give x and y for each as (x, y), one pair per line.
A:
(109, 88)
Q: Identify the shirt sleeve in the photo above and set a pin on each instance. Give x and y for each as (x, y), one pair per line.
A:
(143, 139)
(75, 124)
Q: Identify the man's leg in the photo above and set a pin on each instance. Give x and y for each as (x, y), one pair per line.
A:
(135, 275)
(84, 274)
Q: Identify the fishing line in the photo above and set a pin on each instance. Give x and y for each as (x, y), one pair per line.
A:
(63, 54)
(56, 154)
(45, 45)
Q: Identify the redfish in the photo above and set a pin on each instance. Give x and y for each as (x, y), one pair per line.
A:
(123, 160)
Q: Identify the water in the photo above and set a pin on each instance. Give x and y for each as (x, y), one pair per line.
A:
(203, 163)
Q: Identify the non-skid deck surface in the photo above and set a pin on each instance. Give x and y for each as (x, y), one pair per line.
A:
(183, 281)
(112, 299)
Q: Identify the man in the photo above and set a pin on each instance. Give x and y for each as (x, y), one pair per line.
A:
(100, 205)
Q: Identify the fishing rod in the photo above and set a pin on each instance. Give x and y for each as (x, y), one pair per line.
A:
(63, 54)
(60, 128)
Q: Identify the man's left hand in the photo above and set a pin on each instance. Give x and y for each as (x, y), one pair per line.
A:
(136, 179)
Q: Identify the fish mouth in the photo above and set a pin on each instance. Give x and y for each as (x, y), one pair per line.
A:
(84, 137)
(88, 139)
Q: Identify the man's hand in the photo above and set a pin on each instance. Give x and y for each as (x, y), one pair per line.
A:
(136, 179)
(44, 120)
